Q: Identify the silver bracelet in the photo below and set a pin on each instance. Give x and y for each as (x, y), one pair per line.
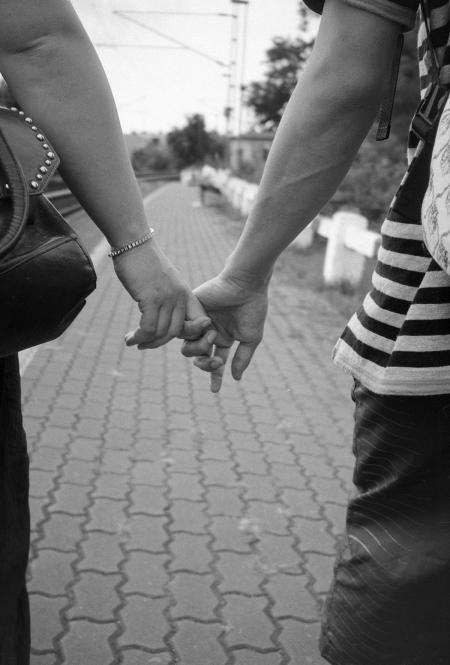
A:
(117, 251)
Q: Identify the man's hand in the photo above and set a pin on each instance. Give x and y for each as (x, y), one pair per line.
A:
(238, 313)
(164, 300)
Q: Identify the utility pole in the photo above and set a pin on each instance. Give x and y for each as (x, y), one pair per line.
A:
(238, 41)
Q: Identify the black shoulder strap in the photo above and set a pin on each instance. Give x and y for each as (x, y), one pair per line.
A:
(428, 113)
(387, 103)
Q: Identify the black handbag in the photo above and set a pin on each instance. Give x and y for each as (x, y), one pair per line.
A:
(45, 273)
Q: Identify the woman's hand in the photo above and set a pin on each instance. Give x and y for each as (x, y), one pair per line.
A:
(238, 312)
(164, 300)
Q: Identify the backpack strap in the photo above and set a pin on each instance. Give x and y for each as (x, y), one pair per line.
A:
(387, 103)
(429, 109)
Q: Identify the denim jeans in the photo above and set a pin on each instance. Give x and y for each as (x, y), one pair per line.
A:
(389, 602)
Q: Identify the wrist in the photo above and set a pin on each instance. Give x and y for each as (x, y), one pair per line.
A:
(127, 233)
(245, 276)
(132, 244)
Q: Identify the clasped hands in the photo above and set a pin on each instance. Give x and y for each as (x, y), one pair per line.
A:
(210, 320)
(219, 312)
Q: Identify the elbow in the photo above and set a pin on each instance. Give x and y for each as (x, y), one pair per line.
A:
(41, 39)
(345, 89)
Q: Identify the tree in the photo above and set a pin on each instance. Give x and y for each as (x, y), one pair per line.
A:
(152, 157)
(268, 98)
(284, 59)
(192, 144)
(379, 166)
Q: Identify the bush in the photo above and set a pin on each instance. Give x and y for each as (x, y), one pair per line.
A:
(152, 157)
(372, 180)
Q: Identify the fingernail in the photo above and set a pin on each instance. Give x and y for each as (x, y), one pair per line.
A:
(211, 336)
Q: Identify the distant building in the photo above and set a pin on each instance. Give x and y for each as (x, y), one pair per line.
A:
(248, 154)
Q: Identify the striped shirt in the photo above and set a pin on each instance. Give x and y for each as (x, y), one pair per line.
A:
(398, 342)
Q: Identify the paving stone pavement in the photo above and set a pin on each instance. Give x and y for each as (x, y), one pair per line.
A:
(173, 526)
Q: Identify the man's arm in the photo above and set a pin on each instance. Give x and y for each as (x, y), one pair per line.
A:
(326, 119)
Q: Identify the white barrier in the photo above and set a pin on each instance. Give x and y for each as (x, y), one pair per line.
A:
(349, 240)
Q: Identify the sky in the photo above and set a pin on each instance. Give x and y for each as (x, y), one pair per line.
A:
(156, 88)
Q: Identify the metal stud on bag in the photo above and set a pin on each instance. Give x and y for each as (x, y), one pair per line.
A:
(34, 184)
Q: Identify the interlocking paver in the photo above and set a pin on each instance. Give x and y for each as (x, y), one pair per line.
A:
(300, 641)
(272, 517)
(48, 659)
(183, 461)
(246, 657)
(335, 514)
(41, 483)
(251, 462)
(46, 620)
(291, 597)
(62, 531)
(277, 553)
(289, 476)
(185, 486)
(188, 516)
(107, 515)
(101, 552)
(83, 449)
(140, 657)
(173, 526)
(228, 535)
(193, 596)
(70, 499)
(218, 473)
(145, 572)
(247, 622)
(190, 552)
(239, 573)
(45, 459)
(79, 472)
(87, 642)
(148, 473)
(313, 536)
(329, 489)
(321, 567)
(145, 622)
(147, 499)
(224, 501)
(301, 502)
(95, 596)
(145, 532)
(111, 486)
(51, 572)
(216, 450)
(262, 488)
(198, 644)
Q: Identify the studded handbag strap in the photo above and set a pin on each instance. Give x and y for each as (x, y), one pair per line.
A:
(19, 197)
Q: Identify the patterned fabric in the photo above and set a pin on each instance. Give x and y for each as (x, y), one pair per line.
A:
(398, 342)
(14, 521)
(389, 602)
(436, 202)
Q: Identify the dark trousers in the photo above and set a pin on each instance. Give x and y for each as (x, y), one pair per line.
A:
(389, 603)
(14, 521)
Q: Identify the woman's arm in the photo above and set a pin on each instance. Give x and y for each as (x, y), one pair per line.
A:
(54, 73)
